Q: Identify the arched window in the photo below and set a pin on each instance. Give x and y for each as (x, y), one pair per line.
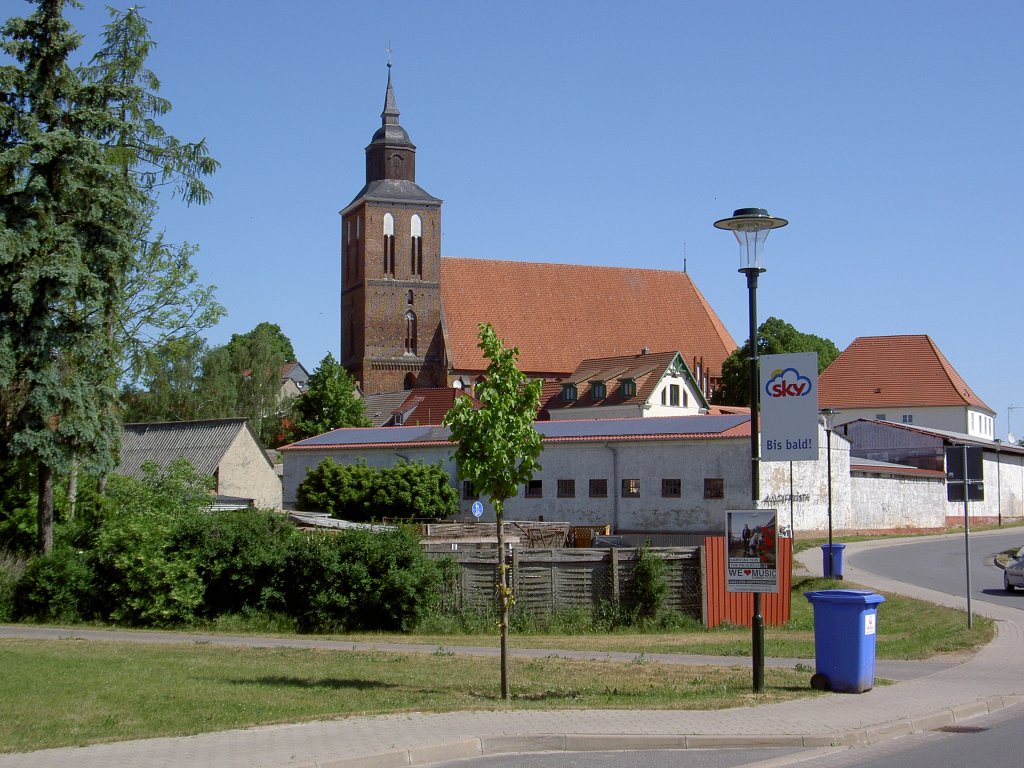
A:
(389, 244)
(410, 332)
(410, 381)
(408, 297)
(416, 246)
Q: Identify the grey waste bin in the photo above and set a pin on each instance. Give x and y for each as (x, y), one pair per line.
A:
(837, 560)
(845, 622)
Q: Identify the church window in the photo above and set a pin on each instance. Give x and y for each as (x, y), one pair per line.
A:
(359, 227)
(416, 246)
(598, 390)
(396, 166)
(389, 244)
(410, 381)
(569, 392)
(410, 332)
(408, 297)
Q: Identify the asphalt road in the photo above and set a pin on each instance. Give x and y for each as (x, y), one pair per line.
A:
(938, 563)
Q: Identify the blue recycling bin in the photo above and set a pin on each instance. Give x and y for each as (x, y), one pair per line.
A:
(845, 622)
(837, 560)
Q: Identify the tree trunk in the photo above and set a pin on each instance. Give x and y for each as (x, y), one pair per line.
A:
(44, 534)
(72, 487)
(504, 597)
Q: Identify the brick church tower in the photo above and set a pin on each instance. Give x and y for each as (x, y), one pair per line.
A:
(391, 269)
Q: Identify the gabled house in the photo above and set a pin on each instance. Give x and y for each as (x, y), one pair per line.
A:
(294, 379)
(902, 379)
(225, 449)
(628, 386)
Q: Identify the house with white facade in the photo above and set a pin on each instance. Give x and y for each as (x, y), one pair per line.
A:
(906, 380)
(628, 386)
(671, 478)
(664, 478)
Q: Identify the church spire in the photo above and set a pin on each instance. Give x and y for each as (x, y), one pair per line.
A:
(390, 154)
(390, 114)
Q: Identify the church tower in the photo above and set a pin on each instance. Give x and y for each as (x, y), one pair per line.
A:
(391, 269)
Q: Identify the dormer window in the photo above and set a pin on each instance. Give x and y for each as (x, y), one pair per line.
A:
(598, 390)
(569, 392)
(629, 387)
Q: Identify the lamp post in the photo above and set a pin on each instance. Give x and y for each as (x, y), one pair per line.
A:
(829, 414)
(751, 227)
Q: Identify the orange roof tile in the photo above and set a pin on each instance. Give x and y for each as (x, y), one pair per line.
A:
(878, 371)
(427, 405)
(560, 314)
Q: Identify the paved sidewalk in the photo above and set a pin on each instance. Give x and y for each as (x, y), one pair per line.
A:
(989, 681)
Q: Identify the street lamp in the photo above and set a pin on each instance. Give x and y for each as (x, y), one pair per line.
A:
(751, 227)
(829, 414)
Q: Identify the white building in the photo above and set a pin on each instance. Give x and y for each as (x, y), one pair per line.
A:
(906, 380)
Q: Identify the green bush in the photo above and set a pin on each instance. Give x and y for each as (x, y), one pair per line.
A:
(145, 570)
(649, 585)
(361, 493)
(59, 588)
(11, 568)
(239, 556)
(359, 580)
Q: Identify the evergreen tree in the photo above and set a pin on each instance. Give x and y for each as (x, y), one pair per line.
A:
(81, 162)
(67, 222)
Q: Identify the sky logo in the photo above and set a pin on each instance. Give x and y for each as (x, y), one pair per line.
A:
(787, 382)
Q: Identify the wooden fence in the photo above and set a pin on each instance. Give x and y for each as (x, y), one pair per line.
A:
(546, 580)
(738, 607)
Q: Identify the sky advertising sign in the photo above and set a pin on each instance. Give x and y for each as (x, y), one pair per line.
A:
(751, 561)
(789, 407)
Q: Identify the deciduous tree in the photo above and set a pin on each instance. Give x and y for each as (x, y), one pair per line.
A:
(329, 402)
(498, 450)
(774, 337)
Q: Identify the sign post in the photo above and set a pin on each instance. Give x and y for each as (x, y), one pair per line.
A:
(789, 407)
(965, 481)
(751, 541)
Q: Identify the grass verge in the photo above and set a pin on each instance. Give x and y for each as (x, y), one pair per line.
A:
(67, 692)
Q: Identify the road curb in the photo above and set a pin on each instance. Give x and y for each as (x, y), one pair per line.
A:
(607, 742)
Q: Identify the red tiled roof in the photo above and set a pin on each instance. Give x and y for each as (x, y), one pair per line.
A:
(560, 314)
(646, 370)
(879, 371)
(427, 405)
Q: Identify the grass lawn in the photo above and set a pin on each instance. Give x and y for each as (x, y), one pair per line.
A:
(72, 692)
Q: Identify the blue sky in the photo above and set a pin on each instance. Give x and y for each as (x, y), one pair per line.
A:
(888, 133)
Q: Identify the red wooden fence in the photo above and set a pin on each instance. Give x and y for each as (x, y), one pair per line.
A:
(738, 607)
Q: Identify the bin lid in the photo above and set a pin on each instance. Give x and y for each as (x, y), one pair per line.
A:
(862, 596)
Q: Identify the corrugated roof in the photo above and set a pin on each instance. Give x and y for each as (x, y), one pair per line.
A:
(202, 443)
(560, 314)
(891, 371)
(662, 427)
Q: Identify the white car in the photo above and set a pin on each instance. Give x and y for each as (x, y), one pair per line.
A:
(1013, 574)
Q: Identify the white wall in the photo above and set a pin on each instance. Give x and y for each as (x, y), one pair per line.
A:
(245, 472)
(950, 418)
